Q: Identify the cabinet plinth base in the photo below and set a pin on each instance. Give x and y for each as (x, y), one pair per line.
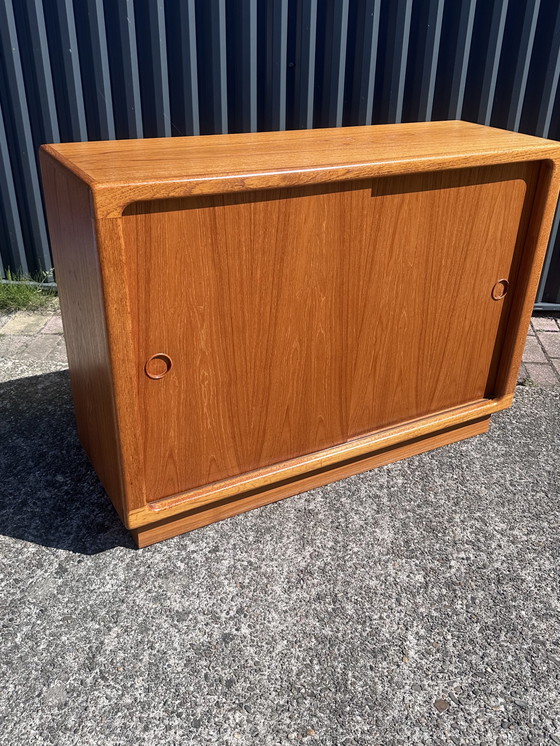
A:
(204, 515)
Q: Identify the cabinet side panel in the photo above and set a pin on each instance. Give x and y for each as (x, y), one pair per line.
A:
(71, 226)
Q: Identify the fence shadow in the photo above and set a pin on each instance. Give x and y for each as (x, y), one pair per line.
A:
(49, 493)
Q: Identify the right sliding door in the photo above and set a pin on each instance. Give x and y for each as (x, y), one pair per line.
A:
(429, 308)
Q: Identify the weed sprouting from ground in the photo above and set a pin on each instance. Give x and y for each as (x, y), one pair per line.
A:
(23, 293)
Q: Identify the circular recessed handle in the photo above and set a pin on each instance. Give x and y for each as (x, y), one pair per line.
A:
(500, 289)
(158, 365)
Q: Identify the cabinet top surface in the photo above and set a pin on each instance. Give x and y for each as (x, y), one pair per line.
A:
(178, 166)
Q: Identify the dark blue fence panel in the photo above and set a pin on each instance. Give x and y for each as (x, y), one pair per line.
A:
(100, 69)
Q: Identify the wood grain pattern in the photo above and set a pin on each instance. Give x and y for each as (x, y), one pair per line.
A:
(125, 171)
(325, 298)
(531, 259)
(386, 307)
(118, 302)
(313, 463)
(78, 276)
(225, 508)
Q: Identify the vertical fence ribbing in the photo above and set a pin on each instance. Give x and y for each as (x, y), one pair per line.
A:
(129, 61)
(158, 45)
(246, 53)
(347, 63)
(71, 64)
(37, 249)
(522, 65)
(276, 61)
(366, 61)
(494, 50)
(98, 40)
(188, 57)
(462, 56)
(42, 66)
(548, 259)
(334, 64)
(398, 51)
(12, 254)
(429, 69)
(552, 74)
(306, 35)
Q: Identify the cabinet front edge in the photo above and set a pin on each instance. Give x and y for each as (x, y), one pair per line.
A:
(112, 198)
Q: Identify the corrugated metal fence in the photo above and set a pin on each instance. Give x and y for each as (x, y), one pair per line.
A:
(99, 69)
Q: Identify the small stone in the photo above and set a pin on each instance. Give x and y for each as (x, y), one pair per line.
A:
(416, 688)
(405, 659)
(520, 702)
(441, 705)
(311, 732)
(453, 698)
(56, 695)
(556, 739)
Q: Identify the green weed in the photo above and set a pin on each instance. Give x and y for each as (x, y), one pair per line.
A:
(21, 293)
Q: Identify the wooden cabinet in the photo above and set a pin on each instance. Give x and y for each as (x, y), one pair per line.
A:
(250, 316)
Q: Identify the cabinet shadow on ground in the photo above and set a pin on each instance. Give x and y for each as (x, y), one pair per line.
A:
(49, 493)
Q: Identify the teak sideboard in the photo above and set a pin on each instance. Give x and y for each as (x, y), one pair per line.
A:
(250, 316)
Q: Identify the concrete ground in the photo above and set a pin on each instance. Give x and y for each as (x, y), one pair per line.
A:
(415, 604)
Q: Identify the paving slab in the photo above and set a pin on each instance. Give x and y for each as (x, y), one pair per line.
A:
(24, 323)
(543, 323)
(533, 352)
(40, 347)
(4, 317)
(53, 325)
(13, 345)
(541, 374)
(414, 604)
(551, 343)
(59, 352)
